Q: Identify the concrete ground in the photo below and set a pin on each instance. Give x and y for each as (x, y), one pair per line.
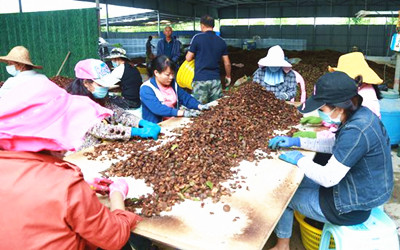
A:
(392, 208)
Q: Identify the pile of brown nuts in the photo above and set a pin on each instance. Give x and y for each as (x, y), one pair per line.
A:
(193, 165)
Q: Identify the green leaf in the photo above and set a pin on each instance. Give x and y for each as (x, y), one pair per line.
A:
(241, 137)
(174, 146)
(209, 184)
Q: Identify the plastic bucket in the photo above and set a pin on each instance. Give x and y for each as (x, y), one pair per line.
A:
(310, 236)
(185, 74)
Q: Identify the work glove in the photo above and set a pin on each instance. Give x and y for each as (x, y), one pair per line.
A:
(292, 157)
(204, 107)
(146, 132)
(314, 120)
(119, 185)
(305, 134)
(191, 113)
(100, 185)
(283, 142)
(147, 124)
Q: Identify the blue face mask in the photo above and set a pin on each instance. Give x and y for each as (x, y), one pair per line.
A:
(12, 70)
(100, 92)
(114, 64)
(326, 117)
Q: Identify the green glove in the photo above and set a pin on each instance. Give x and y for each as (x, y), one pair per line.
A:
(305, 134)
(311, 120)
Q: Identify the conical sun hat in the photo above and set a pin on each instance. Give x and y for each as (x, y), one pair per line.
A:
(354, 64)
(19, 54)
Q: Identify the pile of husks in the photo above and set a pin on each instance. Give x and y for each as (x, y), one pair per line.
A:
(193, 165)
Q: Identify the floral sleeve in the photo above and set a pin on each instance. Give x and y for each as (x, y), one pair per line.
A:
(120, 116)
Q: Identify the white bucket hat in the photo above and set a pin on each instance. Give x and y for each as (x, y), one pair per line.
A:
(275, 58)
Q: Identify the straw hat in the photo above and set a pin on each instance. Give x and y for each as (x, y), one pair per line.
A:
(19, 54)
(117, 53)
(275, 58)
(354, 64)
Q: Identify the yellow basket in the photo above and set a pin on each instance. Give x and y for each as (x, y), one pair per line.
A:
(310, 236)
(143, 71)
(185, 74)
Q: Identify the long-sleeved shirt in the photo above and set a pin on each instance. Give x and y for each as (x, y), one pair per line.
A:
(46, 204)
(116, 127)
(285, 91)
(152, 104)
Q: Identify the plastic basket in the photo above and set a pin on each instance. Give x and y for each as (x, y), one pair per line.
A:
(185, 74)
(310, 236)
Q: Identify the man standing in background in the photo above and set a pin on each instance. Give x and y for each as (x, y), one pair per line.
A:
(169, 46)
(208, 49)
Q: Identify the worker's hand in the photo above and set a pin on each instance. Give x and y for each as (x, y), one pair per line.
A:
(146, 132)
(204, 107)
(305, 134)
(156, 129)
(228, 81)
(292, 157)
(144, 123)
(100, 185)
(314, 120)
(283, 142)
(191, 113)
(119, 185)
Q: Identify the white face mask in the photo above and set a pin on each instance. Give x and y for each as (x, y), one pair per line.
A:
(12, 70)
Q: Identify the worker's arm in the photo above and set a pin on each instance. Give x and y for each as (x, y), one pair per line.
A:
(189, 56)
(94, 222)
(227, 65)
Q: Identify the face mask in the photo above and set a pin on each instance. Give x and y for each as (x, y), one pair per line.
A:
(326, 117)
(100, 92)
(12, 70)
(114, 64)
(274, 69)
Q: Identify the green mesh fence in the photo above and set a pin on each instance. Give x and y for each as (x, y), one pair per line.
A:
(49, 36)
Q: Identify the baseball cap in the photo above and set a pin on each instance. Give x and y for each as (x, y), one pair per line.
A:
(335, 88)
(95, 70)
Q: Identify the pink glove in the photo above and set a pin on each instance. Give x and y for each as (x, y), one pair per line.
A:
(121, 186)
(100, 185)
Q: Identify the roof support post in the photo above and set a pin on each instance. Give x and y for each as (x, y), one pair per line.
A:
(98, 16)
(158, 23)
(107, 26)
(20, 6)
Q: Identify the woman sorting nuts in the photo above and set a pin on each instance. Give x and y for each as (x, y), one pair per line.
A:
(161, 96)
(93, 79)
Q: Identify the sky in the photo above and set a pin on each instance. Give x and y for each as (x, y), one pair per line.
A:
(12, 6)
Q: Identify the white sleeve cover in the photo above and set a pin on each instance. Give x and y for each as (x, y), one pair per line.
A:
(118, 72)
(327, 176)
(322, 145)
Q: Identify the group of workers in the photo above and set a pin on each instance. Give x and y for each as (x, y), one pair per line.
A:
(39, 121)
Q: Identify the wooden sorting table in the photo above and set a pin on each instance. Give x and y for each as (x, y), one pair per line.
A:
(254, 209)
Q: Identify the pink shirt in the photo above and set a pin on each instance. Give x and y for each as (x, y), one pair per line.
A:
(370, 100)
(169, 96)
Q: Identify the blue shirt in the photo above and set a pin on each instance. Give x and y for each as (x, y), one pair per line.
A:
(168, 48)
(208, 49)
(363, 145)
(154, 110)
